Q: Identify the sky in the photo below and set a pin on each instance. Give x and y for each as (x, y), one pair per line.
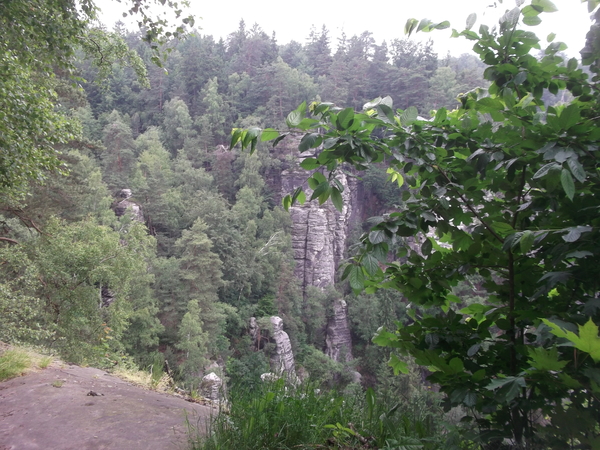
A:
(385, 19)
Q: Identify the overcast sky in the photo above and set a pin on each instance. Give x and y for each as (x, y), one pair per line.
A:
(384, 18)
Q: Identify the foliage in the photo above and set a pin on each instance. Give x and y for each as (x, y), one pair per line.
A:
(504, 187)
(273, 416)
(35, 48)
(13, 363)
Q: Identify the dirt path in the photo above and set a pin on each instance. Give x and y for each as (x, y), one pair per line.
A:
(53, 409)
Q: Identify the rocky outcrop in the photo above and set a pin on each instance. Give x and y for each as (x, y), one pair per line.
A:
(125, 205)
(319, 232)
(282, 358)
(211, 387)
(338, 340)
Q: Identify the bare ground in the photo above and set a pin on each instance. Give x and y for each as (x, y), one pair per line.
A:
(57, 409)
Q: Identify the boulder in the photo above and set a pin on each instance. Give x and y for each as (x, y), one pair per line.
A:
(211, 387)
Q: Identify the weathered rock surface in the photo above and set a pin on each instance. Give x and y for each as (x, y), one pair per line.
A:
(282, 358)
(127, 206)
(319, 232)
(338, 339)
(56, 409)
(211, 387)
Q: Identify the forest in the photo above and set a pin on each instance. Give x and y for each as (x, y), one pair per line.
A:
(425, 227)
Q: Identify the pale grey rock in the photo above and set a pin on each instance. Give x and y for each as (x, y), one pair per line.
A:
(125, 206)
(211, 387)
(319, 232)
(282, 358)
(338, 339)
(269, 377)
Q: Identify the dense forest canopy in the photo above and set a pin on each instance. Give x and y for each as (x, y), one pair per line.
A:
(132, 235)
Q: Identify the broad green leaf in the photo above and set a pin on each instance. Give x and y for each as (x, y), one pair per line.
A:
(550, 37)
(410, 26)
(336, 198)
(293, 119)
(569, 116)
(423, 24)
(370, 263)
(356, 278)
(345, 119)
(532, 20)
(507, 388)
(502, 228)
(310, 164)
(269, 134)
(471, 21)
(567, 183)
(376, 236)
(309, 141)
(321, 189)
(526, 241)
(542, 359)
(545, 169)
(409, 115)
(588, 340)
(576, 169)
(545, 5)
(398, 365)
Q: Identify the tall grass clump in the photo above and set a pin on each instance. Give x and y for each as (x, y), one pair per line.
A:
(276, 417)
(13, 363)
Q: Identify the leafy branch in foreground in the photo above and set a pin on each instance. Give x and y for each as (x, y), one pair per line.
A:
(504, 187)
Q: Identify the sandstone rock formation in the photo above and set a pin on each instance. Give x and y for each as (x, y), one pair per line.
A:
(338, 340)
(282, 358)
(319, 232)
(127, 206)
(211, 387)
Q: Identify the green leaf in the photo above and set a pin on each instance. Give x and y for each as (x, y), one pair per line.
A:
(526, 241)
(587, 341)
(532, 20)
(336, 198)
(567, 183)
(293, 119)
(376, 236)
(502, 228)
(576, 169)
(508, 388)
(550, 37)
(309, 141)
(370, 264)
(545, 169)
(545, 5)
(310, 164)
(409, 115)
(269, 134)
(569, 116)
(356, 278)
(345, 119)
(471, 19)
(542, 359)
(398, 365)
(410, 26)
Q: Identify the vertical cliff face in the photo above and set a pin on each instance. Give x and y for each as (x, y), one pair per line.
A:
(319, 232)
(319, 241)
(338, 340)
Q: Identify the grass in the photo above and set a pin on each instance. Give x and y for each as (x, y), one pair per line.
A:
(276, 417)
(13, 363)
(160, 382)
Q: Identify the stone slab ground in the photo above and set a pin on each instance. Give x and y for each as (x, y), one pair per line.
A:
(55, 409)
